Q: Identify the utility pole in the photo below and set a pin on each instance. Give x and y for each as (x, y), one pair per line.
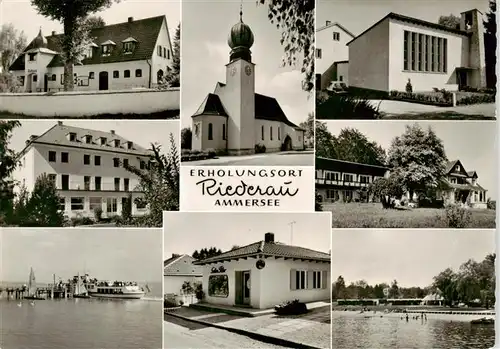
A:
(291, 231)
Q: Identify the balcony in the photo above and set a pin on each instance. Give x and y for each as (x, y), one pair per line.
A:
(342, 183)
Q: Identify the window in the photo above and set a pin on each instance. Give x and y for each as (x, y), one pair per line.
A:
(95, 203)
(116, 162)
(89, 52)
(97, 160)
(318, 53)
(424, 53)
(125, 163)
(116, 74)
(35, 78)
(111, 205)
(128, 47)
(62, 204)
(32, 57)
(65, 182)
(159, 50)
(364, 179)
(97, 184)
(316, 279)
(140, 204)
(336, 36)
(77, 204)
(420, 52)
(300, 279)
(262, 132)
(218, 286)
(142, 165)
(223, 132)
(104, 140)
(86, 159)
(210, 131)
(341, 78)
(130, 145)
(72, 137)
(54, 77)
(117, 143)
(138, 73)
(126, 73)
(413, 51)
(165, 52)
(117, 184)
(279, 133)
(53, 178)
(52, 156)
(348, 177)
(168, 54)
(65, 157)
(86, 182)
(126, 183)
(270, 133)
(107, 49)
(88, 139)
(457, 168)
(91, 75)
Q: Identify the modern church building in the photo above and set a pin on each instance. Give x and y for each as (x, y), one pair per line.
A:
(133, 54)
(403, 49)
(236, 119)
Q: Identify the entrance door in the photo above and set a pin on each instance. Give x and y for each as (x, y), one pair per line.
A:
(103, 80)
(462, 79)
(287, 145)
(246, 287)
(45, 83)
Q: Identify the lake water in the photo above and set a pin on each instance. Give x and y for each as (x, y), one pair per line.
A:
(82, 323)
(354, 330)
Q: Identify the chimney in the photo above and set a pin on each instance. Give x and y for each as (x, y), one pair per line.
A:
(269, 237)
(28, 142)
(60, 123)
(112, 132)
(328, 22)
(130, 19)
(53, 33)
(32, 137)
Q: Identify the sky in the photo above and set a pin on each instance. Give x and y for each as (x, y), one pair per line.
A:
(205, 53)
(106, 254)
(138, 131)
(224, 230)
(26, 18)
(358, 15)
(412, 257)
(473, 143)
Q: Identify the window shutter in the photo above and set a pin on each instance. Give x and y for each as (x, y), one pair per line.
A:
(309, 278)
(293, 279)
(324, 276)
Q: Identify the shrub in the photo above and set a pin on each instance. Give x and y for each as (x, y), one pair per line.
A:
(346, 107)
(198, 291)
(491, 204)
(127, 208)
(318, 203)
(294, 307)
(475, 99)
(409, 87)
(168, 303)
(457, 216)
(10, 83)
(435, 89)
(75, 221)
(210, 153)
(260, 148)
(98, 214)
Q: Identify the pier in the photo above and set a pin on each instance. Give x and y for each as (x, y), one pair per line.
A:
(49, 292)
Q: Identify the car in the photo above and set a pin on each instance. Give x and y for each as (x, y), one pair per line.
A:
(337, 87)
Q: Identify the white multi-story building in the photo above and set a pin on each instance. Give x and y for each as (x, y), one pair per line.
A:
(133, 54)
(88, 168)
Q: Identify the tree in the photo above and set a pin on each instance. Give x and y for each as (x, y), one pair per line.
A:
(352, 145)
(42, 207)
(72, 15)
(340, 287)
(308, 126)
(450, 21)
(235, 247)
(9, 83)
(385, 189)
(186, 138)
(394, 290)
(324, 141)
(205, 253)
(160, 183)
(295, 19)
(445, 282)
(95, 22)
(490, 44)
(8, 163)
(173, 77)
(127, 208)
(418, 159)
(12, 43)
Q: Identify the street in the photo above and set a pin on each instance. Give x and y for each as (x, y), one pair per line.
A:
(182, 334)
(304, 158)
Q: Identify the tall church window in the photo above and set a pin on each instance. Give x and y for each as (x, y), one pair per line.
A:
(271, 133)
(279, 133)
(424, 53)
(210, 131)
(223, 132)
(262, 131)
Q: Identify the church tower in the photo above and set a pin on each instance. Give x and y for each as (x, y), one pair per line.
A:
(239, 92)
(472, 22)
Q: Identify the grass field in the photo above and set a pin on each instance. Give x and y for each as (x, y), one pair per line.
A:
(372, 215)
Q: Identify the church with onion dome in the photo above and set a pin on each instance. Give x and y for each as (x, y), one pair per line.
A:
(234, 119)
(122, 56)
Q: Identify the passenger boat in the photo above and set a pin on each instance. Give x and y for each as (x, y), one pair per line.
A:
(32, 287)
(115, 289)
(483, 321)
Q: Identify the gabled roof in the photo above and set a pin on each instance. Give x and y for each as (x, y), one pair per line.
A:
(211, 105)
(349, 167)
(412, 20)
(336, 24)
(181, 266)
(145, 31)
(272, 249)
(57, 135)
(450, 169)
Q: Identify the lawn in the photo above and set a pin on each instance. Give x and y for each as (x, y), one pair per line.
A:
(443, 115)
(372, 215)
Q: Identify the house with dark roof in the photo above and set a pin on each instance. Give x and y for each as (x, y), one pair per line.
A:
(132, 54)
(345, 181)
(428, 55)
(178, 270)
(461, 186)
(234, 118)
(88, 168)
(332, 53)
(266, 273)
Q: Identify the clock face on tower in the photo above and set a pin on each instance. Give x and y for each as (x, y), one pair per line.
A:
(248, 70)
(233, 71)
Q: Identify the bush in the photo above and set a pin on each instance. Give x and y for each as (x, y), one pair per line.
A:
(475, 99)
(98, 214)
(409, 87)
(75, 221)
(260, 148)
(168, 303)
(491, 204)
(200, 295)
(457, 216)
(346, 107)
(194, 155)
(127, 208)
(291, 308)
(10, 83)
(318, 203)
(441, 98)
